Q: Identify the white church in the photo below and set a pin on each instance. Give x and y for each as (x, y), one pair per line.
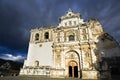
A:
(71, 49)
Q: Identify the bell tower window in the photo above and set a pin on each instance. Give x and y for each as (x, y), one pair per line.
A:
(74, 22)
(71, 38)
(66, 24)
(36, 36)
(46, 35)
(70, 23)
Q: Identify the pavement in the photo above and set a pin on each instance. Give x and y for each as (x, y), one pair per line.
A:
(35, 78)
(46, 78)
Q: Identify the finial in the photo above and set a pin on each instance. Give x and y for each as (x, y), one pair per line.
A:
(69, 10)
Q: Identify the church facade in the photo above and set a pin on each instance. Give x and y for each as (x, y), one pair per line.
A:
(68, 50)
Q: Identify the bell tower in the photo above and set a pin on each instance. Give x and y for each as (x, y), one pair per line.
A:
(70, 19)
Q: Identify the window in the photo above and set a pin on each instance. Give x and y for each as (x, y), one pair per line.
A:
(70, 23)
(74, 22)
(36, 63)
(69, 14)
(102, 39)
(71, 38)
(46, 35)
(66, 24)
(36, 36)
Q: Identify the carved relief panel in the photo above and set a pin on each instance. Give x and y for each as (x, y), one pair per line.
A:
(57, 58)
(71, 55)
(87, 59)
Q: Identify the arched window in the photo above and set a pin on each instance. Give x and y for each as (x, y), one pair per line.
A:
(36, 63)
(71, 38)
(36, 36)
(46, 35)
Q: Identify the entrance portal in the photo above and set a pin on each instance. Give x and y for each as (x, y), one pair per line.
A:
(73, 69)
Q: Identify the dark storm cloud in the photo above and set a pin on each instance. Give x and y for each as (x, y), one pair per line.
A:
(17, 17)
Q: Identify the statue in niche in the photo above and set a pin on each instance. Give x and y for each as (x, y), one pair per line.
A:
(71, 56)
(84, 31)
(58, 58)
(87, 54)
(84, 37)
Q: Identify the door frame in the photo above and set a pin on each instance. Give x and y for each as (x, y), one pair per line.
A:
(72, 64)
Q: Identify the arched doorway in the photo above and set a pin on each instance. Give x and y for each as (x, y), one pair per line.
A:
(72, 64)
(73, 69)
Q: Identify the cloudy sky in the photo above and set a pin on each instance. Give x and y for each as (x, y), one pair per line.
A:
(18, 17)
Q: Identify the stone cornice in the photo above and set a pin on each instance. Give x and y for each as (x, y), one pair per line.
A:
(72, 16)
(65, 45)
(42, 28)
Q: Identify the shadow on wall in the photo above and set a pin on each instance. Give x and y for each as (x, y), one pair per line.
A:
(108, 52)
